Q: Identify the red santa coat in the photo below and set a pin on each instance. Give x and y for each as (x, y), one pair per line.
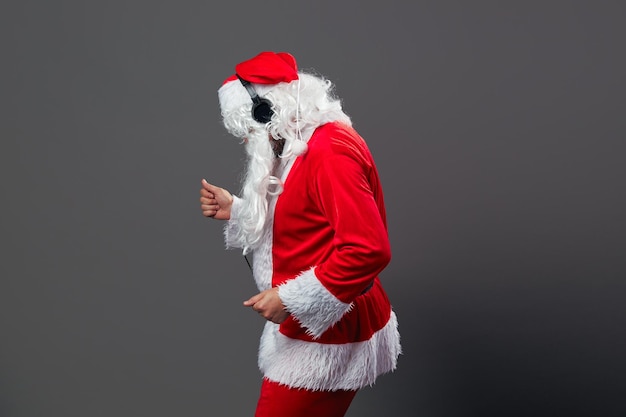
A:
(324, 247)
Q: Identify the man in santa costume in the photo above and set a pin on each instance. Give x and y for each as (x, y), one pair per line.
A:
(311, 212)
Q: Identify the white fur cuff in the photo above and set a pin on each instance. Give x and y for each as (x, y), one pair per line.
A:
(231, 227)
(311, 304)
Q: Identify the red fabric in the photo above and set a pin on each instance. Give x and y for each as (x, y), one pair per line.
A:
(331, 215)
(267, 68)
(281, 401)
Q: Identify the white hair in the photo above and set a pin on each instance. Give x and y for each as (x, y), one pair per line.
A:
(299, 108)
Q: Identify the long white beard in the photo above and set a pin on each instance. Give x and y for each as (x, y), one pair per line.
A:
(258, 186)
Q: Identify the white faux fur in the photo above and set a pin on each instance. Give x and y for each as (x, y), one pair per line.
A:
(262, 265)
(262, 258)
(232, 224)
(317, 366)
(311, 304)
(232, 95)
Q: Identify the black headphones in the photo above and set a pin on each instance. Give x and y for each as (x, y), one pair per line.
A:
(261, 107)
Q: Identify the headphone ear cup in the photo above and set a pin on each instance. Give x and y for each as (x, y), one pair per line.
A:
(262, 111)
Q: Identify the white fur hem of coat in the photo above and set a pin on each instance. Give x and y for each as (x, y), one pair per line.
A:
(329, 367)
(311, 304)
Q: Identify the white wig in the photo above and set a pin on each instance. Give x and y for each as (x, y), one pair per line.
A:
(299, 107)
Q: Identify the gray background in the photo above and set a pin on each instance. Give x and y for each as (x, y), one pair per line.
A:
(498, 128)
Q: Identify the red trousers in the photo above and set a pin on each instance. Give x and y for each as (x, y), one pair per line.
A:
(281, 401)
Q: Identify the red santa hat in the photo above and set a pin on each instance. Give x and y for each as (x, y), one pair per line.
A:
(267, 68)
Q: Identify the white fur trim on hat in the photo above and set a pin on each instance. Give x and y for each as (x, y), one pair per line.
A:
(232, 95)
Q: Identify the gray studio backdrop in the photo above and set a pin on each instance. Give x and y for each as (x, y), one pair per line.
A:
(498, 129)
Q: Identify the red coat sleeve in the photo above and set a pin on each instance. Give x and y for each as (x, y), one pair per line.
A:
(347, 186)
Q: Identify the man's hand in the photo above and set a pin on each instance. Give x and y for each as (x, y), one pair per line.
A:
(215, 202)
(268, 305)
